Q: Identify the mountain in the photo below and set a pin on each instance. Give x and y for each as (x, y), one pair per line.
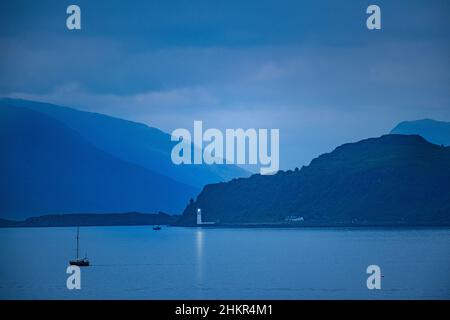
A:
(91, 219)
(437, 132)
(47, 167)
(132, 142)
(390, 180)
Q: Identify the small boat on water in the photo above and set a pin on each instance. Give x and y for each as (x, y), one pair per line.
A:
(80, 262)
(156, 227)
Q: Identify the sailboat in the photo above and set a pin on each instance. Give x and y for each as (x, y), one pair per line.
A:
(81, 262)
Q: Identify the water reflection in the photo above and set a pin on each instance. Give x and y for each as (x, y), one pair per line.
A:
(199, 243)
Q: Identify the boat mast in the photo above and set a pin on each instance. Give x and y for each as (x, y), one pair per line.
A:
(78, 239)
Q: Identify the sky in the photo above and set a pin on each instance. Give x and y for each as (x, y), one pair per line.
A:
(309, 68)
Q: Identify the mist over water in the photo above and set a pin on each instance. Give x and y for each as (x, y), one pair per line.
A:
(196, 263)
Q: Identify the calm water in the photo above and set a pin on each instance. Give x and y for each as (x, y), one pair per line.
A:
(192, 263)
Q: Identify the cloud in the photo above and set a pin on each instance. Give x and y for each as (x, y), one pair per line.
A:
(321, 78)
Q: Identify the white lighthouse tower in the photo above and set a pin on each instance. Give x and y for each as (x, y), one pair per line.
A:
(199, 216)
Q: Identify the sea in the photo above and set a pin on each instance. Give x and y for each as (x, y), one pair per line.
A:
(225, 263)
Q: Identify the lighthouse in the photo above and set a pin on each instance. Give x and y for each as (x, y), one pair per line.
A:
(199, 216)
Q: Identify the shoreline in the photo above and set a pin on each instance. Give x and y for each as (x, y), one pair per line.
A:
(163, 219)
(242, 226)
(314, 226)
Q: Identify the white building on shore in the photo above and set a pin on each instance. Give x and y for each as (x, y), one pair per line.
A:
(199, 218)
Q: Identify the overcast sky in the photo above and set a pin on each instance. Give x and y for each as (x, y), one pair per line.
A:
(310, 68)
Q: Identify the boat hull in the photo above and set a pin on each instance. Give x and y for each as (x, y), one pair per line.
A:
(79, 263)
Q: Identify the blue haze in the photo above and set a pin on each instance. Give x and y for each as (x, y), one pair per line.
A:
(310, 68)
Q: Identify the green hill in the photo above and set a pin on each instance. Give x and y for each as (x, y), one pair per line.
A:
(391, 180)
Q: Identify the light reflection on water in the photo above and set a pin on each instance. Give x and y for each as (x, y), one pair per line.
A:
(196, 263)
(199, 235)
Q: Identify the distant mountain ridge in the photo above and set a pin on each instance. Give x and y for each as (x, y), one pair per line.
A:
(437, 132)
(391, 180)
(132, 142)
(47, 167)
(61, 160)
